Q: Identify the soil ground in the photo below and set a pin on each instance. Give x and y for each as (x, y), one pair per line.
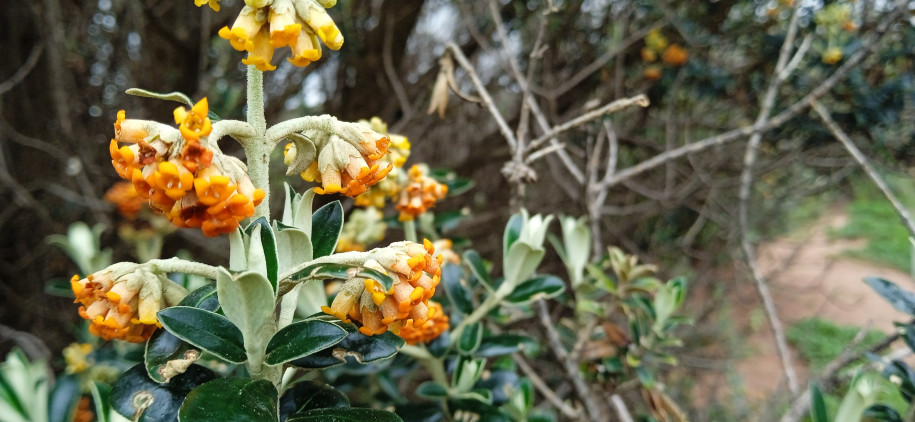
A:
(809, 277)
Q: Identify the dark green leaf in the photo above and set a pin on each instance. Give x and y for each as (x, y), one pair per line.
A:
(470, 338)
(457, 291)
(301, 339)
(356, 347)
(444, 221)
(207, 330)
(541, 286)
(135, 395)
(203, 298)
(63, 398)
(473, 260)
(268, 241)
(341, 271)
(346, 414)
(420, 412)
(512, 232)
(308, 395)
(440, 345)
(902, 300)
(432, 390)
(59, 287)
(882, 413)
(101, 398)
(817, 405)
(456, 185)
(501, 344)
(163, 347)
(326, 224)
(232, 399)
(906, 376)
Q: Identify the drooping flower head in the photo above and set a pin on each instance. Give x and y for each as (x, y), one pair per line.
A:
(420, 193)
(390, 186)
(123, 305)
(414, 333)
(416, 272)
(265, 25)
(181, 175)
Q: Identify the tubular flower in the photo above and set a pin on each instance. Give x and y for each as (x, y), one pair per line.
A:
(416, 273)
(437, 324)
(263, 26)
(444, 247)
(194, 123)
(398, 150)
(420, 193)
(192, 185)
(343, 169)
(363, 227)
(124, 305)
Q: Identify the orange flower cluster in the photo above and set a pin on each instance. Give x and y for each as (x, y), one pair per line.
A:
(345, 167)
(124, 196)
(436, 325)
(671, 54)
(419, 194)
(181, 179)
(416, 274)
(262, 27)
(125, 307)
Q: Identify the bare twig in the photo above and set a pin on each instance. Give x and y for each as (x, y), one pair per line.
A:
(391, 72)
(639, 100)
(621, 409)
(746, 181)
(23, 71)
(865, 164)
(569, 364)
(543, 388)
(484, 95)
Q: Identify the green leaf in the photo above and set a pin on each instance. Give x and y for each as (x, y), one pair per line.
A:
(486, 412)
(545, 286)
(293, 247)
(432, 390)
(204, 297)
(232, 399)
(346, 414)
(883, 413)
(470, 339)
(502, 344)
(101, 397)
(139, 398)
(166, 355)
(169, 96)
(63, 398)
(302, 339)
(817, 405)
(499, 383)
(512, 232)
(358, 347)
(905, 375)
(341, 271)
(902, 300)
(249, 302)
(263, 240)
(521, 262)
(207, 330)
(308, 395)
(327, 222)
(458, 292)
(473, 260)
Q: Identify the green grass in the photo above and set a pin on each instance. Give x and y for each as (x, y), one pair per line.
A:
(819, 341)
(872, 217)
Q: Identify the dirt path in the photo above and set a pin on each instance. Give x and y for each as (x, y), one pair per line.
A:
(817, 281)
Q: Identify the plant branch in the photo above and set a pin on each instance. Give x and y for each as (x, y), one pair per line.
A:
(543, 388)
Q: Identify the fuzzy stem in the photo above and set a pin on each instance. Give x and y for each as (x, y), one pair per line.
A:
(409, 230)
(178, 265)
(257, 150)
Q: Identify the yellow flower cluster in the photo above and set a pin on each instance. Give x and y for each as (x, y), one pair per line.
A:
(416, 274)
(179, 176)
(671, 54)
(398, 152)
(342, 165)
(438, 323)
(363, 227)
(265, 25)
(419, 194)
(124, 307)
